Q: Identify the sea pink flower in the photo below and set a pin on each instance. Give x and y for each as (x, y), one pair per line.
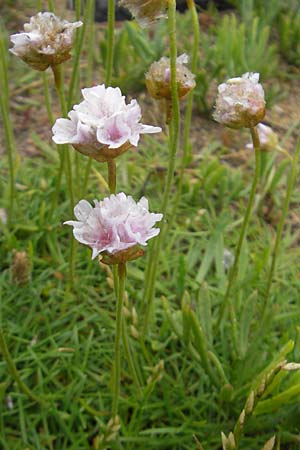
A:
(158, 78)
(102, 126)
(268, 139)
(114, 225)
(146, 11)
(46, 40)
(240, 102)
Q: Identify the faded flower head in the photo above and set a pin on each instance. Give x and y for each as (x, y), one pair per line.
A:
(46, 40)
(115, 226)
(240, 102)
(268, 139)
(158, 78)
(20, 267)
(146, 11)
(102, 126)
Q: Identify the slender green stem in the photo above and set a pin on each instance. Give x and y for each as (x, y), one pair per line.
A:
(112, 176)
(110, 40)
(130, 358)
(78, 47)
(47, 98)
(189, 110)
(86, 176)
(234, 269)
(65, 154)
(285, 208)
(119, 320)
(7, 124)
(174, 129)
(57, 72)
(14, 371)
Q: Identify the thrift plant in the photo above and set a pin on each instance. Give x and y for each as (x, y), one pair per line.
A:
(188, 350)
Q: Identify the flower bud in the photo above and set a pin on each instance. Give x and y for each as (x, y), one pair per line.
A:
(268, 139)
(46, 41)
(146, 11)
(158, 78)
(240, 102)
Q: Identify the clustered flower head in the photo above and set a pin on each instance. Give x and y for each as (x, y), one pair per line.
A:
(158, 78)
(102, 126)
(240, 102)
(268, 139)
(146, 11)
(46, 40)
(116, 226)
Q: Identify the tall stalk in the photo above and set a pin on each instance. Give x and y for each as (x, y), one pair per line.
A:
(7, 124)
(110, 40)
(65, 155)
(285, 208)
(234, 270)
(174, 128)
(119, 322)
(189, 109)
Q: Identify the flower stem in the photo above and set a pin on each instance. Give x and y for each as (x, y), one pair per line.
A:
(189, 109)
(112, 177)
(234, 269)
(285, 208)
(119, 320)
(110, 40)
(174, 128)
(65, 153)
(7, 124)
(14, 371)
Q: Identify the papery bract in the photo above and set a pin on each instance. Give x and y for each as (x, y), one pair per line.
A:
(46, 40)
(158, 78)
(146, 11)
(102, 126)
(114, 225)
(240, 102)
(268, 139)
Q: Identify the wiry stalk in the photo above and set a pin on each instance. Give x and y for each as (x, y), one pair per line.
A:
(174, 129)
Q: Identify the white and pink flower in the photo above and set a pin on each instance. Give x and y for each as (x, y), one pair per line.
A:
(114, 224)
(46, 40)
(102, 126)
(240, 102)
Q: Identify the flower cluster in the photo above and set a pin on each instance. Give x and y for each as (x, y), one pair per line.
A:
(146, 11)
(240, 102)
(115, 225)
(158, 78)
(102, 126)
(46, 41)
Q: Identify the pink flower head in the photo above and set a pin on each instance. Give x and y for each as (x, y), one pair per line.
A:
(240, 102)
(158, 78)
(102, 125)
(114, 224)
(46, 40)
(268, 139)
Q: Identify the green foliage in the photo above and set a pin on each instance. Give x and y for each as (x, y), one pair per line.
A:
(288, 26)
(134, 53)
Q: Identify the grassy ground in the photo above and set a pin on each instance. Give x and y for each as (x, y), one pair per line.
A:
(61, 339)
